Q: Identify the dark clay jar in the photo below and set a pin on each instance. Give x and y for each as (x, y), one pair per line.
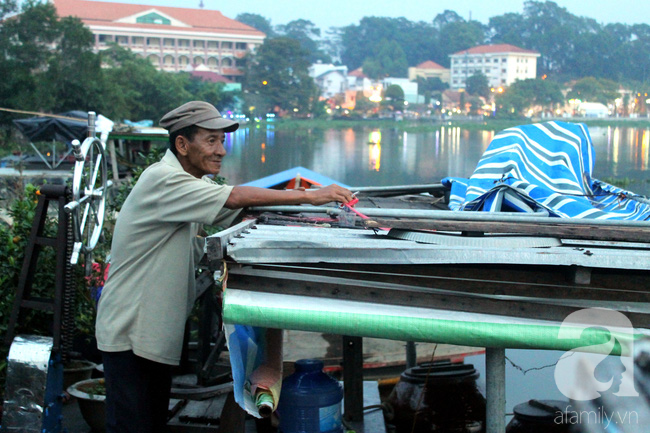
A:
(440, 397)
(540, 416)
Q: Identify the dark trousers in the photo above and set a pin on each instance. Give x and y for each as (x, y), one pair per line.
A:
(137, 393)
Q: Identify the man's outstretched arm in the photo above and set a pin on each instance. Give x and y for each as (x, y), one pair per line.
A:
(246, 196)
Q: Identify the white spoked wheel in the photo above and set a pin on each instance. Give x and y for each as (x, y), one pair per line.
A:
(89, 188)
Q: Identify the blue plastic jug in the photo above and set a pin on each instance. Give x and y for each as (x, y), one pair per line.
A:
(310, 400)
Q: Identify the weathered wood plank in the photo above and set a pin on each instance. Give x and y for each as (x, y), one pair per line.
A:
(550, 229)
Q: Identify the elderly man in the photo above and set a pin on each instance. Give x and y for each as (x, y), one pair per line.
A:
(150, 288)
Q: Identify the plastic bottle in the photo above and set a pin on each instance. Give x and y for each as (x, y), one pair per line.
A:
(310, 400)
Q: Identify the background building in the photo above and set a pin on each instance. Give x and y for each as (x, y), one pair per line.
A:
(331, 80)
(429, 69)
(502, 64)
(410, 88)
(171, 38)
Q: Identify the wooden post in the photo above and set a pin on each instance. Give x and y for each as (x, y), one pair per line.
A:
(111, 151)
(495, 382)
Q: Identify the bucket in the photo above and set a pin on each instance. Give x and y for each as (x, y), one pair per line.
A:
(310, 400)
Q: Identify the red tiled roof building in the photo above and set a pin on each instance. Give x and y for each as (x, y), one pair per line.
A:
(173, 39)
(429, 69)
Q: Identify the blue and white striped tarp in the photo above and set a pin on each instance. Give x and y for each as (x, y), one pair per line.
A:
(543, 168)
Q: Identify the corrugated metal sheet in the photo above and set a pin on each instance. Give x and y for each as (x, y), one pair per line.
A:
(497, 241)
(294, 244)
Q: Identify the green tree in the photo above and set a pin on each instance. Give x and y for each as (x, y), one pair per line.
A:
(592, 89)
(394, 97)
(478, 85)
(47, 63)
(276, 78)
(25, 45)
(446, 17)
(639, 53)
(429, 87)
(211, 92)
(7, 8)
(509, 28)
(389, 60)
(73, 79)
(305, 32)
(475, 104)
(523, 94)
(257, 22)
(136, 90)
(416, 40)
(460, 35)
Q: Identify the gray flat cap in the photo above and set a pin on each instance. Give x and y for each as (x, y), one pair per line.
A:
(197, 113)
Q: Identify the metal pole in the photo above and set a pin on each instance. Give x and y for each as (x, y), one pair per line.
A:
(353, 378)
(411, 355)
(495, 382)
(456, 215)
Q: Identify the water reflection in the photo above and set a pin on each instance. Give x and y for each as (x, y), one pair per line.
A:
(363, 156)
(374, 154)
(623, 153)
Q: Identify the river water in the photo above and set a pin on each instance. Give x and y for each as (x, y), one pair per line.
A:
(365, 157)
(370, 157)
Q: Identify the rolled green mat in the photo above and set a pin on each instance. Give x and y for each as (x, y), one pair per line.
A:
(264, 403)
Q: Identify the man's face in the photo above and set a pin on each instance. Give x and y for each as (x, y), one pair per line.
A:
(204, 153)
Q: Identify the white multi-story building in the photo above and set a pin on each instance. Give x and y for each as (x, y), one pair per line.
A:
(171, 38)
(502, 64)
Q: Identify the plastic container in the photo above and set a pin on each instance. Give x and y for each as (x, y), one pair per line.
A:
(438, 397)
(540, 416)
(310, 400)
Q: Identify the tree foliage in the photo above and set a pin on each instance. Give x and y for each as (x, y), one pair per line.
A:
(523, 94)
(258, 22)
(48, 65)
(594, 90)
(478, 85)
(389, 60)
(277, 79)
(308, 35)
(394, 97)
(430, 87)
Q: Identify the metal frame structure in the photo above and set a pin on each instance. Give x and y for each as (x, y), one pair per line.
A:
(580, 266)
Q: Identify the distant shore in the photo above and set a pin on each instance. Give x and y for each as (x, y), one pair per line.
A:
(434, 124)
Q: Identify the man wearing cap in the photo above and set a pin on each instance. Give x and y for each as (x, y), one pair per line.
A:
(150, 290)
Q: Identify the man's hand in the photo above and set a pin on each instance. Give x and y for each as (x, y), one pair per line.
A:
(328, 194)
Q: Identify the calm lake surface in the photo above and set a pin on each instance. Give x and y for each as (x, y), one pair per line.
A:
(365, 157)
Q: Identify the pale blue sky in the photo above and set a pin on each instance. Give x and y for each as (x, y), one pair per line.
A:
(339, 13)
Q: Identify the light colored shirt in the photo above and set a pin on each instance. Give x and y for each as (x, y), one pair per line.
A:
(150, 289)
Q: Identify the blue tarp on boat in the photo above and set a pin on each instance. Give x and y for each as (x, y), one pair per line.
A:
(544, 168)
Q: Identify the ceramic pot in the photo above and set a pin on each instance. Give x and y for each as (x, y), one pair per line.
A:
(76, 371)
(90, 395)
